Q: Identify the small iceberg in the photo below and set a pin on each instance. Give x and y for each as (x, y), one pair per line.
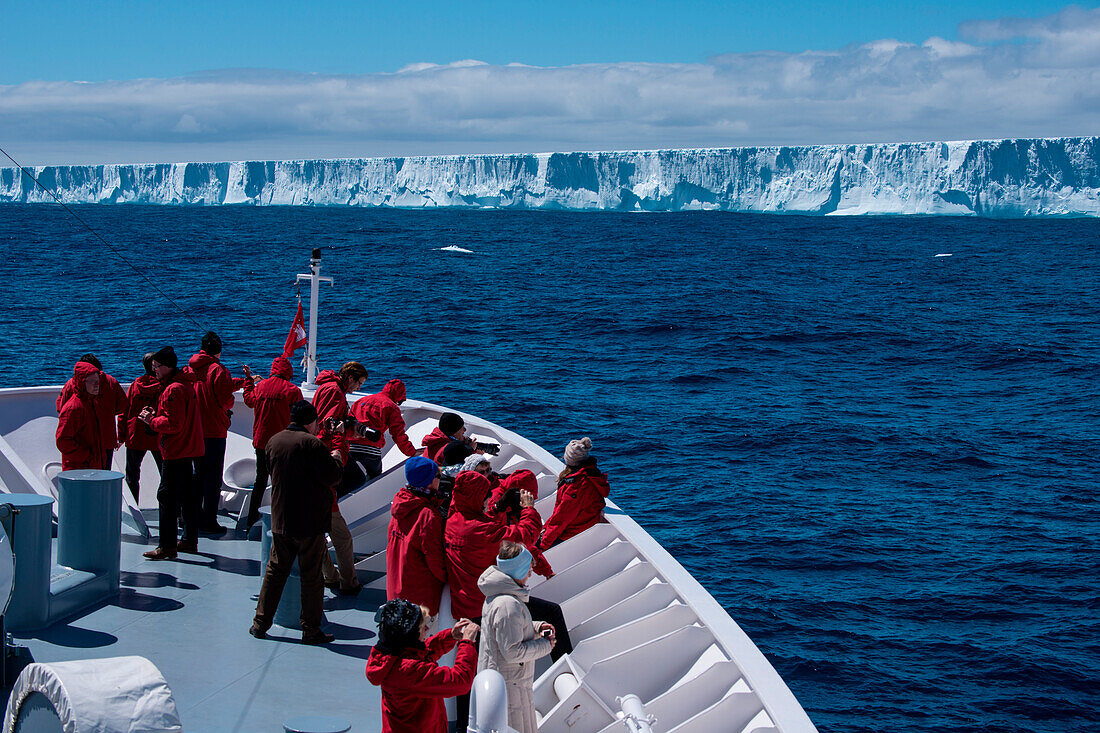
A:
(454, 248)
(944, 254)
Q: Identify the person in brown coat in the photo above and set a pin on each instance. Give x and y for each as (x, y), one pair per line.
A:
(303, 472)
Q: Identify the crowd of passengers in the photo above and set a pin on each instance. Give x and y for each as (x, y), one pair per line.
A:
(456, 522)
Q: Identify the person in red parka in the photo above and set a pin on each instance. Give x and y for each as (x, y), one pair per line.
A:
(416, 566)
(472, 539)
(110, 402)
(270, 400)
(331, 402)
(138, 437)
(504, 501)
(403, 664)
(177, 421)
(381, 411)
(214, 388)
(582, 489)
(451, 428)
(78, 436)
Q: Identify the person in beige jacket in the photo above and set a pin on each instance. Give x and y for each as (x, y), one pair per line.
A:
(510, 640)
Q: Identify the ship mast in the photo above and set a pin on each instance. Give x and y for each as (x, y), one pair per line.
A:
(314, 278)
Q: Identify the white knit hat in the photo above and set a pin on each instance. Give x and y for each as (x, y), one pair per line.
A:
(577, 451)
(474, 460)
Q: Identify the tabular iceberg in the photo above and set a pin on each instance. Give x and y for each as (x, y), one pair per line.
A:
(1005, 178)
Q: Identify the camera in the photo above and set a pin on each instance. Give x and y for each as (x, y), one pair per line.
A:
(350, 424)
(492, 449)
(509, 503)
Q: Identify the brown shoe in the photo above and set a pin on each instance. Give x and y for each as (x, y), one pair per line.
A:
(191, 546)
(159, 554)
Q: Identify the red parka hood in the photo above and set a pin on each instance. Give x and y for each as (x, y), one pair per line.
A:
(147, 386)
(328, 376)
(406, 503)
(82, 371)
(395, 390)
(595, 478)
(523, 480)
(200, 362)
(185, 376)
(469, 494)
(280, 367)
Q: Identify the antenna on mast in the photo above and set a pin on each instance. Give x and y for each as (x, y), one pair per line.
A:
(314, 278)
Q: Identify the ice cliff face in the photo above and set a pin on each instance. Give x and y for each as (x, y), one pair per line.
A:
(1040, 177)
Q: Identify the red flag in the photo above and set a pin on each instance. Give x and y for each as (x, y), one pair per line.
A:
(297, 336)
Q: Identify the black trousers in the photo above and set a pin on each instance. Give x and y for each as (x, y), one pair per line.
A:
(359, 468)
(134, 457)
(213, 463)
(256, 498)
(551, 613)
(179, 493)
(284, 550)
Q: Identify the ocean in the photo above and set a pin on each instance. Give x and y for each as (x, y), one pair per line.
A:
(873, 440)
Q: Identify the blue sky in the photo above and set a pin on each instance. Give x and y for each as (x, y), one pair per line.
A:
(97, 41)
(151, 81)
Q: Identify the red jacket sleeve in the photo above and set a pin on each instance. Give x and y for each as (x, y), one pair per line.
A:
(66, 392)
(331, 403)
(249, 393)
(564, 514)
(171, 412)
(396, 425)
(449, 681)
(526, 530)
(70, 426)
(439, 644)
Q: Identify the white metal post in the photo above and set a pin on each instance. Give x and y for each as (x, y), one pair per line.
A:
(315, 279)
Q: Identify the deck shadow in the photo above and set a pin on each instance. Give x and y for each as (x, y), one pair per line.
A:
(235, 565)
(73, 637)
(138, 579)
(131, 600)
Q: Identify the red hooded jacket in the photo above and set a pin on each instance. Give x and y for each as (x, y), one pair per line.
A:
(382, 412)
(330, 400)
(177, 419)
(271, 400)
(434, 443)
(416, 566)
(214, 389)
(522, 480)
(110, 401)
(579, 504)
(144, 392)
(78, 436)
(413, 687)
(472, 540)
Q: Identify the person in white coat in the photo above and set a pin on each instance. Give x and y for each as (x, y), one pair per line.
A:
(510, 640)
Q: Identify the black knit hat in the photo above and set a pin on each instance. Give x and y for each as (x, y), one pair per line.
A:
(456, 452)
(166, 356)
(398, 626)
(212, 343)
(302, 413)
(450, 423)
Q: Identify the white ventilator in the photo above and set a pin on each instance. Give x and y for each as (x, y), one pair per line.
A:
(92, 696)
(489, 703)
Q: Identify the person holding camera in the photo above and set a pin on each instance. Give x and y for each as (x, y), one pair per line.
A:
(582, 489)
(176, 420)
(138, 437)
(404, 663)
(331, 401)
(110, 402)
(451, 430)
(303, 471)
(511, 640)
(214, 388)
(381, 412)
(270, 401)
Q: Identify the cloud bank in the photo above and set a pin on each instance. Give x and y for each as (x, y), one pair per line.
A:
(1010, 77)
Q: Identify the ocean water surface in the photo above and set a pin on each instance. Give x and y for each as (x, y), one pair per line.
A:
(875, 441)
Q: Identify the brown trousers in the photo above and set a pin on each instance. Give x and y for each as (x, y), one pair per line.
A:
(345, 555)
(284, 550)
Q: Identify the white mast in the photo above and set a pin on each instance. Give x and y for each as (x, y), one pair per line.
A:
(315, 280)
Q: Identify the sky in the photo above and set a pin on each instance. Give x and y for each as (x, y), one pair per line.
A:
(92, 82)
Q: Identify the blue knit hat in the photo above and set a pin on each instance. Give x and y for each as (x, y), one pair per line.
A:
(420, 471)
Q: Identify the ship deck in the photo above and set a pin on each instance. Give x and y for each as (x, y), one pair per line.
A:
(190, 617)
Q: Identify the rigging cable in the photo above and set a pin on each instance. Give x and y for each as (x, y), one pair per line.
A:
(105, 242)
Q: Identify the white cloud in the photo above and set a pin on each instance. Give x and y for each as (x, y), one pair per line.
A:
(1009, 78)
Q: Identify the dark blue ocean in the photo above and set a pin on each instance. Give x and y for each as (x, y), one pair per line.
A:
(883, 462)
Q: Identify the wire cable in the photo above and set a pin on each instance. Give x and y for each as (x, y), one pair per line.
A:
(107, 244)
